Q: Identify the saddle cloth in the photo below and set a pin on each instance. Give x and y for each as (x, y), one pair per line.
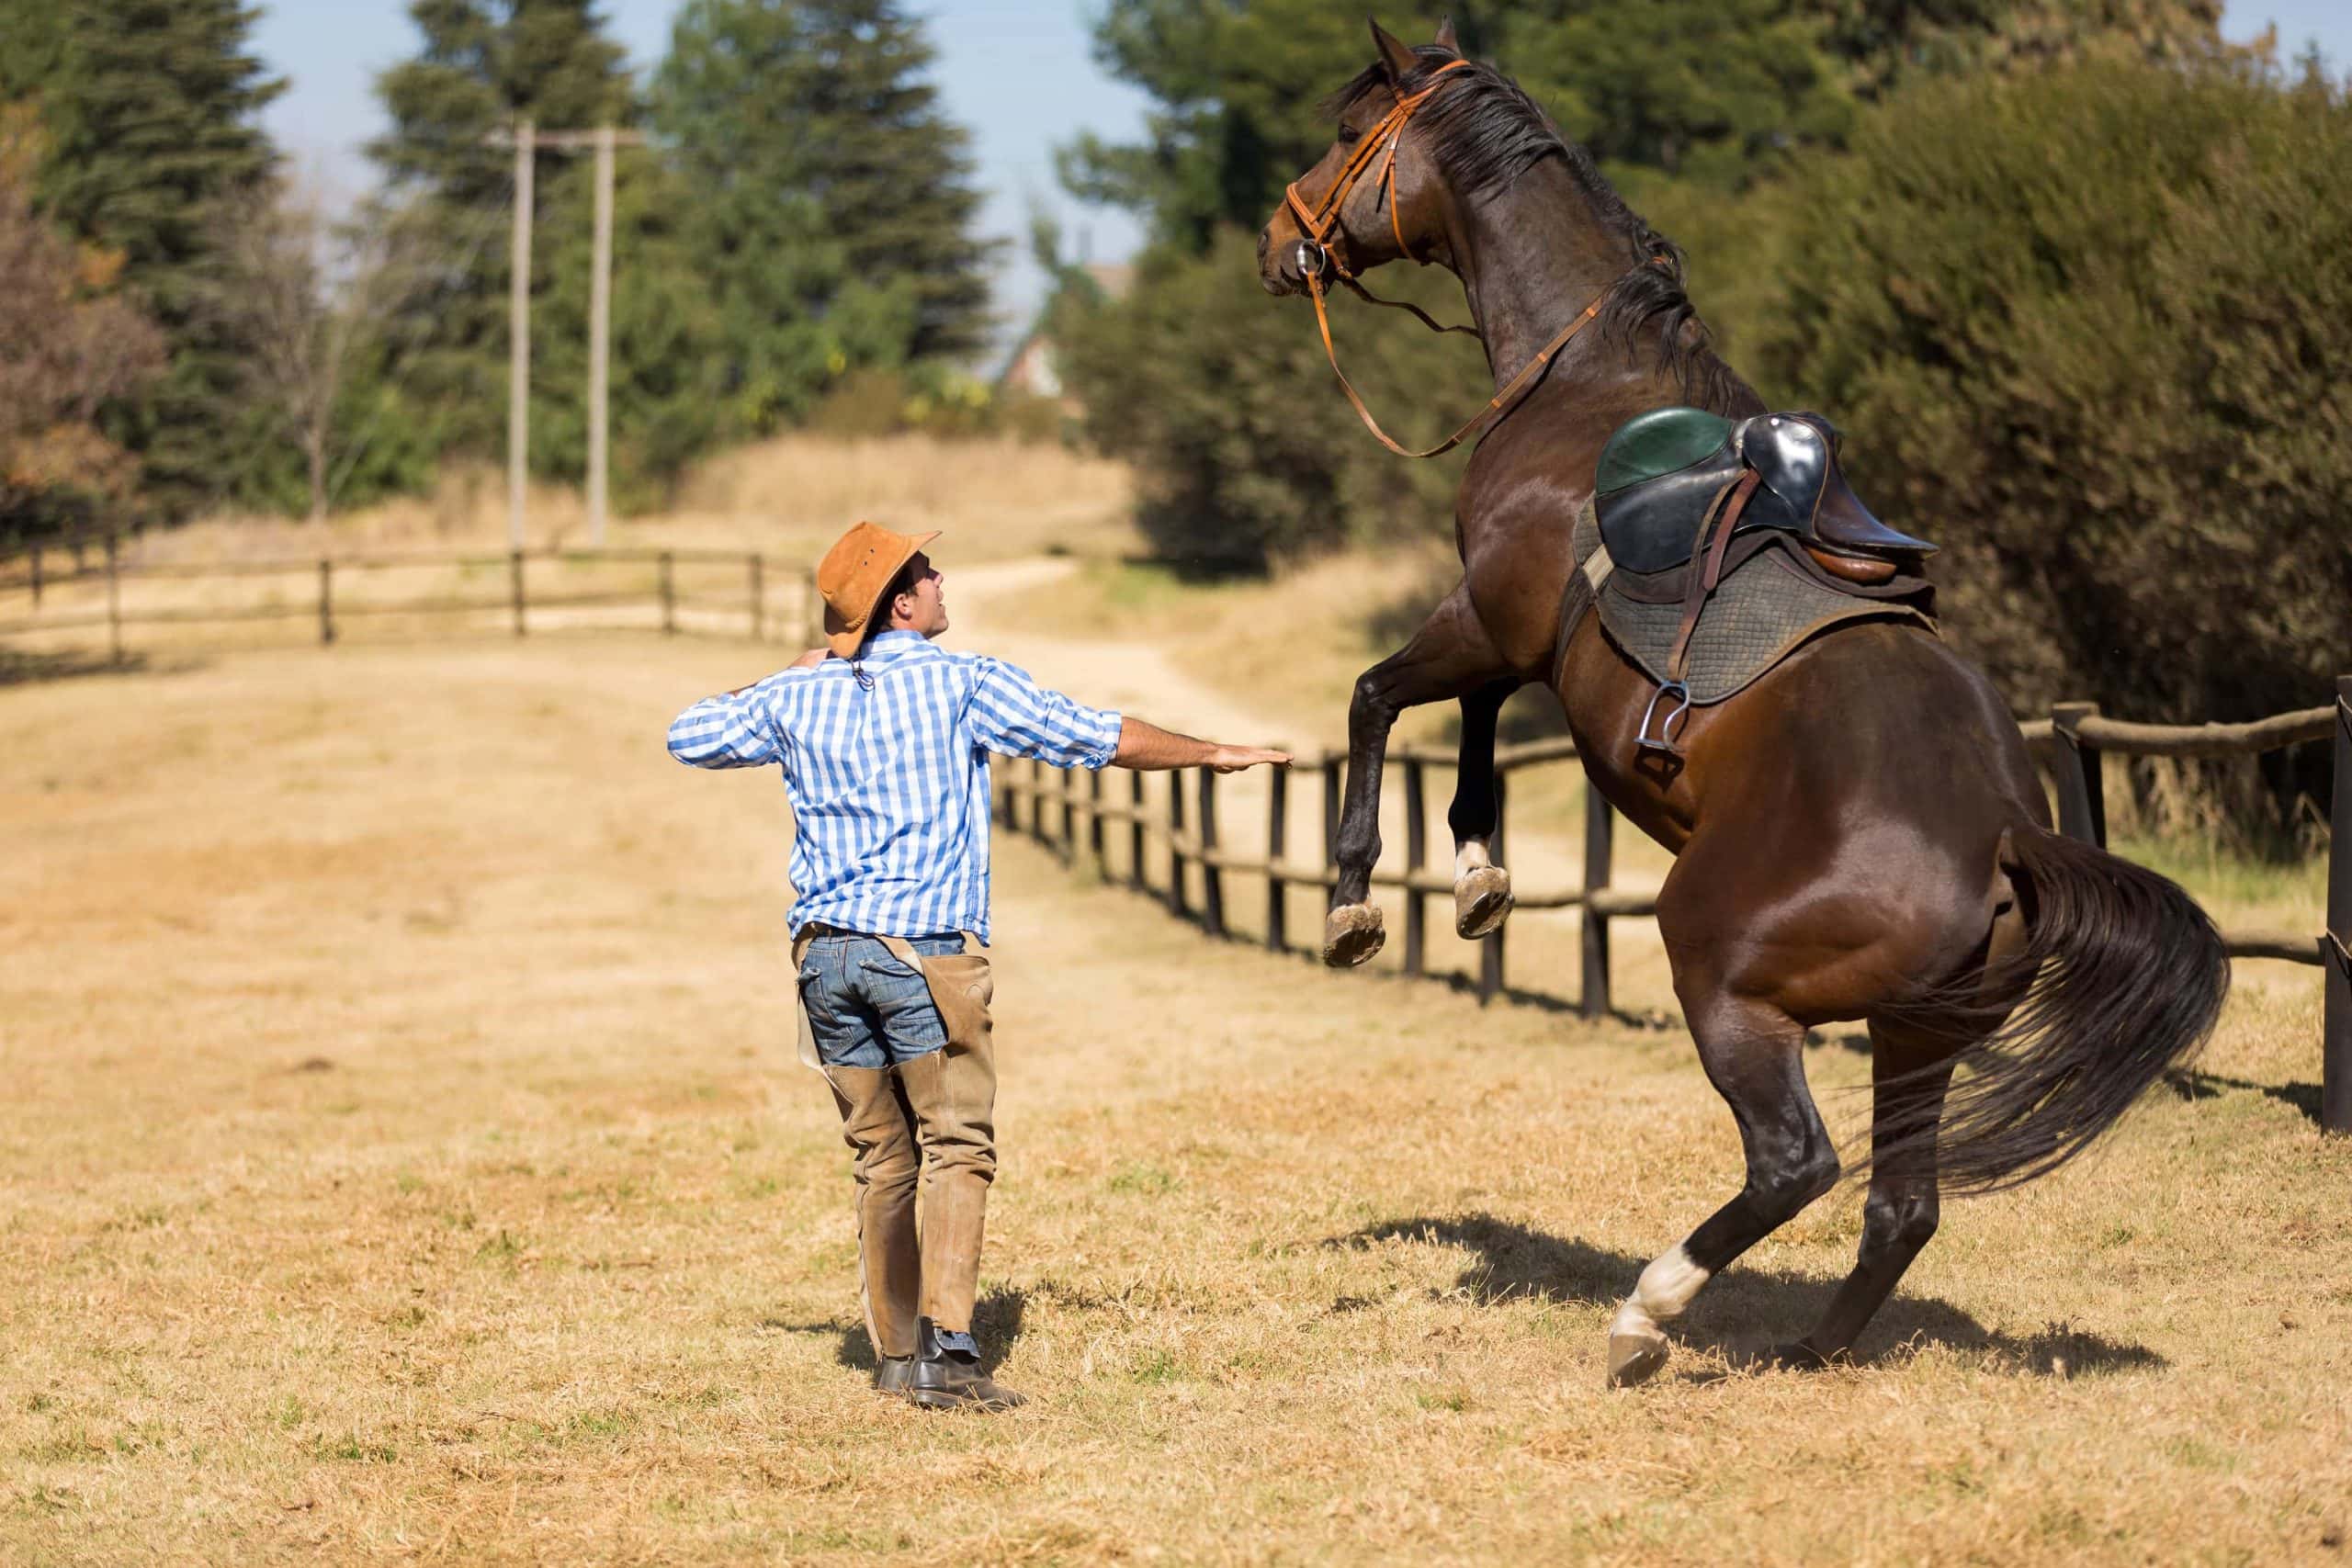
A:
(1661, 471)
(1771, 602)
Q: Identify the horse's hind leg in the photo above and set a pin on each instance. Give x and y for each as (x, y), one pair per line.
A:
(1754, 1054)
(1910, 1070)
(1482, 895)
(1449, 657)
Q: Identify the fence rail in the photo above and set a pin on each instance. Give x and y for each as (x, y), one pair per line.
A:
(1062, 812)
(34, 574)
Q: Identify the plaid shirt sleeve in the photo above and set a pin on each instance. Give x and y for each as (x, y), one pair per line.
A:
(1012, 713)
(737, 730)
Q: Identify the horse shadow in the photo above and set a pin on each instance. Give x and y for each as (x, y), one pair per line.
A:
(1748, 1311)
(2190, 1084)
(996, 1324)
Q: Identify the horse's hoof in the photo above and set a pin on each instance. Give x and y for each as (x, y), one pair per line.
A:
(1634, 1359)
(1351, 934)
(1482, 901)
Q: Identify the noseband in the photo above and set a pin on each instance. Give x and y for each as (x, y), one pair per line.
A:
(1322, 247)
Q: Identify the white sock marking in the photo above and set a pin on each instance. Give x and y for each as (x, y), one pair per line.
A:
(1665, 1289)
(1470, 855)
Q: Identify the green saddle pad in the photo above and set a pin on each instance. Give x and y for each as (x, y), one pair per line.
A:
(1759, 614)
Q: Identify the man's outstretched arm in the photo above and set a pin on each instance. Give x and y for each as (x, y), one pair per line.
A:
(1146, 747)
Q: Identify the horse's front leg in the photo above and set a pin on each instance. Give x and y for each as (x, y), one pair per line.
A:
(1450, 657)
(1482, 896)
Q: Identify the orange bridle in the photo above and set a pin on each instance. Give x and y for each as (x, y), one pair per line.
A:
(1322, 247)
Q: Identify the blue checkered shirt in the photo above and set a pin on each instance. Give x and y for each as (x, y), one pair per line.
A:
(885, 763)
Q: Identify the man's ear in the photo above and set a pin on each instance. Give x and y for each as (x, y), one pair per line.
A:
(1446, 39)
(1396, 57)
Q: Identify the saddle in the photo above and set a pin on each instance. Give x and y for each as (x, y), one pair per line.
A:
(1685, 501)
(1663, 472)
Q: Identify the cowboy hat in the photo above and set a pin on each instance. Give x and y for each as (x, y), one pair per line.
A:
(854, 575)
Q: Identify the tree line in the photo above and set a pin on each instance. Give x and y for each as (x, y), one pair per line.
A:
(192, 324)
(2068, 273)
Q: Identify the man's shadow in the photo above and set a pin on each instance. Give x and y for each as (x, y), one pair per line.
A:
(996, 1324)
(1748, 1310)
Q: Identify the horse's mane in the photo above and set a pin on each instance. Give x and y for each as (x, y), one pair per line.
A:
(1485, 132)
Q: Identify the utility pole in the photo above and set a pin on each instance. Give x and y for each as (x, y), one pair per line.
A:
(518, 373)
(528, 141)
(600, 335)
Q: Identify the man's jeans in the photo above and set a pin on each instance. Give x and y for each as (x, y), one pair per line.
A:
(866, 1008)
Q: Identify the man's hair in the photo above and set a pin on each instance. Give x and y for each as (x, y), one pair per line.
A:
(903, 583)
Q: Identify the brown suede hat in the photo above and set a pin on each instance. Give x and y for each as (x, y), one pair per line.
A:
(852, 579)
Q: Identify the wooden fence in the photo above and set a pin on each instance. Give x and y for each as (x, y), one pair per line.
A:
(1063, 810)
(37, 576)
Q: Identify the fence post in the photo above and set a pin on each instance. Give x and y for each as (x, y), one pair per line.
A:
(1037, 804)
(1212, 876)
(1066, 790)
(326, 602)
(1135, 833)
(1600, 840)
(1094, 817)
(759, 598)
(36, 577)
(114, 600)
(669, 596)
(1416, 853)
(1175, 846)
(1277, 841)
(2082, 802)
(1490, 952)
(2335, 1030)
(514, 583)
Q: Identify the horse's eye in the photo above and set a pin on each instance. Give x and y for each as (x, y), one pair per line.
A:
(1350, 135)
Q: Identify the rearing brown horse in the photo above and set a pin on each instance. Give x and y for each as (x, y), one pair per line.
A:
(1859, 834)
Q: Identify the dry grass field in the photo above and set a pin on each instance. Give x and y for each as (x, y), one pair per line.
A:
(405, 1161)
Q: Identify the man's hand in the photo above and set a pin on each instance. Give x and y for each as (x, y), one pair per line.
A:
(1234, 758)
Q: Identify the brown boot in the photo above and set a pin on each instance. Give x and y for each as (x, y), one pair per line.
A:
(948, 1377)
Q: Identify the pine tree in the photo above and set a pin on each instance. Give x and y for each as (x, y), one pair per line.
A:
(831, 199)
(485, 64)
(148, 106)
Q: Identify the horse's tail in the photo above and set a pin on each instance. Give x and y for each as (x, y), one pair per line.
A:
(2123, 977)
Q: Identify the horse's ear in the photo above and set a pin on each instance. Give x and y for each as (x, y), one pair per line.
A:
(1446, 39)
(1397, 56)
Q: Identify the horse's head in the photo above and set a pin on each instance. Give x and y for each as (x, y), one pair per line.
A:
(1375, 195)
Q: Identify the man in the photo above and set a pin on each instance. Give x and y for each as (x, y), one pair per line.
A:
(884, 741)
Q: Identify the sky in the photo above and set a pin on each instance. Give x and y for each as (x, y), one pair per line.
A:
(1017, 73)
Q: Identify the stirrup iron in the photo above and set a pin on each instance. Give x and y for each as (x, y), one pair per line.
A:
(1664, 739)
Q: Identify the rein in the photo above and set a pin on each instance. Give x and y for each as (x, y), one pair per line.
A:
(1322, 248)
